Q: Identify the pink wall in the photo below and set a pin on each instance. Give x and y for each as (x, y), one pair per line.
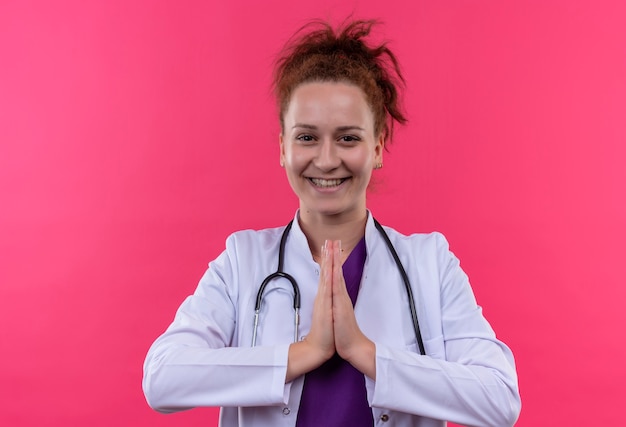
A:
(135, 135)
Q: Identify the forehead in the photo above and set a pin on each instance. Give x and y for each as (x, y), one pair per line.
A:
(332, 103)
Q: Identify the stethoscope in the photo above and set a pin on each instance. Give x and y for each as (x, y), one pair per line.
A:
(296, 289)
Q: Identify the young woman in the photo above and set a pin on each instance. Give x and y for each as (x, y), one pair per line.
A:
(362, 326)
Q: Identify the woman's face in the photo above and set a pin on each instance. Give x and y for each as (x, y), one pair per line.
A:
(328, 148)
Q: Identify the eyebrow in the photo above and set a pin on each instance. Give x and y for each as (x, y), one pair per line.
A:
(340, 128)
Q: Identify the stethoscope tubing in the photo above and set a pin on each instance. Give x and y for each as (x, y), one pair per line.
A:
(296, 289)
(407, 285)
(279, 273)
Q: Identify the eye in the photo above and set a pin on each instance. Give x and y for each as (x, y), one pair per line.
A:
(349, 139)
(305, 138)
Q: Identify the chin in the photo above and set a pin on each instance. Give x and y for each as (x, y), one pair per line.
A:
(328, 210)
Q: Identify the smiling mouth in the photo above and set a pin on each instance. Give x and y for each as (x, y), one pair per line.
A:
(327, 183)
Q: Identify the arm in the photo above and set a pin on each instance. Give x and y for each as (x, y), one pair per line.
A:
(470, 379)
(193, 364)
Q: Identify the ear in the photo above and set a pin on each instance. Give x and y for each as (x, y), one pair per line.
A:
(282, 150)
(379, 149)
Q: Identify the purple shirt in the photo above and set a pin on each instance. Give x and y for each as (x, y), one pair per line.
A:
(334, 394)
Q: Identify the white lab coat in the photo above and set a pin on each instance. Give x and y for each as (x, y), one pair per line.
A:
(205, 357)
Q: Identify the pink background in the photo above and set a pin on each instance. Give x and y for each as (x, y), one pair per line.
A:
(136, 135)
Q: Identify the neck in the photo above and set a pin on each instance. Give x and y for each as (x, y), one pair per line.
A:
(319, 228)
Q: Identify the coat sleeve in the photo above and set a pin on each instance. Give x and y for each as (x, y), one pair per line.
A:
(472, 381)
(194, 363)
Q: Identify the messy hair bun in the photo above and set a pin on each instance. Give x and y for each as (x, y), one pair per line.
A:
(317, 52)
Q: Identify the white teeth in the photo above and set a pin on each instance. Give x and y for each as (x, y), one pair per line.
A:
(326, 182)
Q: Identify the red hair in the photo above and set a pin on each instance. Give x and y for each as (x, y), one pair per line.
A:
(319, 53)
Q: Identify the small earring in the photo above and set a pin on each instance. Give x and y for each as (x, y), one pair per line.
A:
(378, 165)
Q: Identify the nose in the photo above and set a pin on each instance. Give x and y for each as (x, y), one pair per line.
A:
(327, 157)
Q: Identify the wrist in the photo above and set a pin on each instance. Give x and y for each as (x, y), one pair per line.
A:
(303, 358)
(363, 357)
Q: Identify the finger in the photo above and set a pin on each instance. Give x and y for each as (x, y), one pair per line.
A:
(339, 284)
(321, 333)
(322, 265)
(327, 261)
(324, 291)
